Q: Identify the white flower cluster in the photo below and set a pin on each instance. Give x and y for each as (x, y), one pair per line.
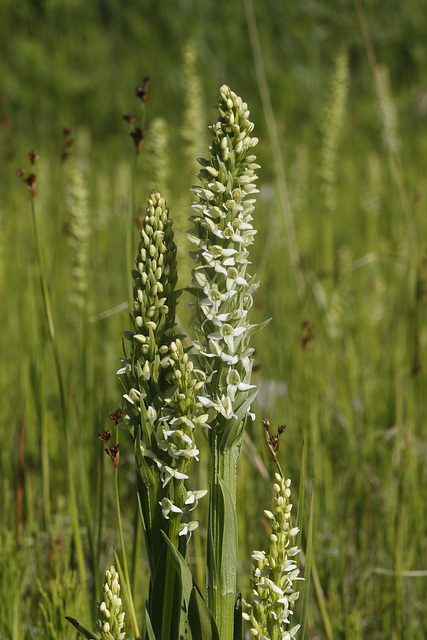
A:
(160, 383)
(175, 435)
(222, 234)
(110, 615)
(273, 595)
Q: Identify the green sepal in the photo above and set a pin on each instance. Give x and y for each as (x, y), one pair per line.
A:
(155, 367)
(151, 345)
(201, 621)
(84, 631)
(254, 328)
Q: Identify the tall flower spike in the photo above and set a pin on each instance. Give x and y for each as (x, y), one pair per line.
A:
(273, 595)
(221, 284)
(223, 290)
(111, 618)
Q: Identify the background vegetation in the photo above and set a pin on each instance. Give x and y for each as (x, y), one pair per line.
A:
(342, 363)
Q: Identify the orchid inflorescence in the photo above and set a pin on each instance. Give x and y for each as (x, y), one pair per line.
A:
(222, 286)
(160, 381)
(273, 595)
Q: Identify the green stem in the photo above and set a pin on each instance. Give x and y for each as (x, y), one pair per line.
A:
(125, 575)
(119, 524)
(131, 227)
(222, 538)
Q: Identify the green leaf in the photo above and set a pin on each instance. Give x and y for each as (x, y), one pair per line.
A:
(158, 568)
(182, 590)
(238, 619)
(229, 549)
(149, 627)
(201, 621)
(84, 631)
(182, 569)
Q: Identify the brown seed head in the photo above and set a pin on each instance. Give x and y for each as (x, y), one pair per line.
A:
(113, 451)
(33, 156)
(31, 183)
(140, 92)
(138, 135)
(129, 117)
(116, 417)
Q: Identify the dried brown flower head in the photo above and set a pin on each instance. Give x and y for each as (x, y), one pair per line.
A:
(104, 435)
(113, 451)
(116, 417)
(31, 183)
(273, 440)
(33, 156)
(138, 135)
(129, 117)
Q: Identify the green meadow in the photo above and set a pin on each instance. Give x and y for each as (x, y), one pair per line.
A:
(338, 94)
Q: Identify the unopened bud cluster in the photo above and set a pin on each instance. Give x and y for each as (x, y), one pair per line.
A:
(273, 595)
(156, 271)
(222, 233)
(110, 615)
(153, 314)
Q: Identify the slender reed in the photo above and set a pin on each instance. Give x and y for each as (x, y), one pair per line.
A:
(30, 181)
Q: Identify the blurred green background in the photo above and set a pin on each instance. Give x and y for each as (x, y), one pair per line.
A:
(342, 362)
